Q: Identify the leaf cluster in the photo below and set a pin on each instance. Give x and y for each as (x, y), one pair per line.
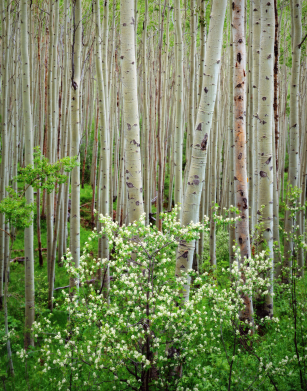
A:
(45, 175)
(39, 175)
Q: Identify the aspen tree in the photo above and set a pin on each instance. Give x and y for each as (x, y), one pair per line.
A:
(49, 145)
(54, 106)
(293, 174)
(104, 164)
(202, 22)
(240, 169)
(55, 79)
(254, 125)
(145, 119)
(5, 252)
(303, 150)
(133, 174)
(191, 98)
(165, 95)
(275, 134)
(160, 141)
(75, 134)
(276, 84)
(249, 104)
(28, 131)
(178, 145)
(265, 136)
(65, 130)
(213, 179)
(6, 26)
(232, 233)
(203, 125)
(40, 140)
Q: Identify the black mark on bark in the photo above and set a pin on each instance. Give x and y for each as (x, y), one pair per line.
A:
(268, 161)
(204, 142)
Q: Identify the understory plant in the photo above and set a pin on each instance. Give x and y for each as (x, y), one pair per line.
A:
(145, 337)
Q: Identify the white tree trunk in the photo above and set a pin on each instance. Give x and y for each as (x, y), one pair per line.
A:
(75, 135)
(293, 175)
(133, 174)
(28, 131)
(203, 126)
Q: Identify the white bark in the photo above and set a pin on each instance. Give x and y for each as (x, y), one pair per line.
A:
(293, 174)
(133, 174)
(28, 131)
(203, 127)
(75, 135)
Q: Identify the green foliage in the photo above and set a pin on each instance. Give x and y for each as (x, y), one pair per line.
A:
(41, 175)
(45, 175)
(16, 209)
(89, 344)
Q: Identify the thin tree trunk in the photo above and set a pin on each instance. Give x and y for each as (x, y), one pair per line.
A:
(75, 137)
(240, 180)
(293, 173)
(265, 139)
(232, 232)
(104, 164)
(255, 124)
(28, 131)
(179, 124)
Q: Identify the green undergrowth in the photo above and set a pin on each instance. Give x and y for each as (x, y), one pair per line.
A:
(273, 345)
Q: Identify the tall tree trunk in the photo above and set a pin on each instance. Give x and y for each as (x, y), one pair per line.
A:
(160, 141)
(240, 169)
(133, 166)
(203, 126)
(179, 124)
(265, 139)
(254, 126)
(50, 143)
(75, 136)
(293, 173)
(232, 232)
(28, 131)
(6, 26)
(104, 164)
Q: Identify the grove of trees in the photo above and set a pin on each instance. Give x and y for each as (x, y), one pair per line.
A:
(153, 195)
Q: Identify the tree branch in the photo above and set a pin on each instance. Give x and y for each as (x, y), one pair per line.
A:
(300, 44)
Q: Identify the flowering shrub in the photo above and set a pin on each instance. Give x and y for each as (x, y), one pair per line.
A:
(146, 338)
